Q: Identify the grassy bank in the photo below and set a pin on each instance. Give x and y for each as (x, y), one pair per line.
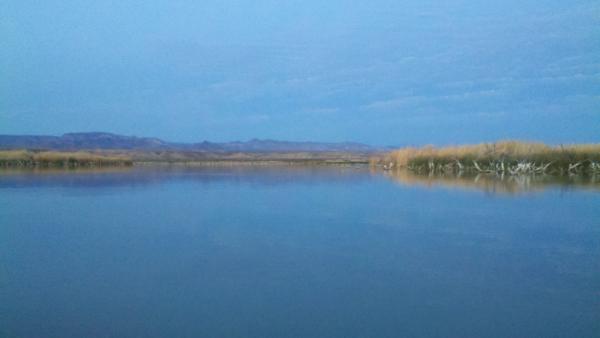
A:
(59, 159)
(508, 157)
(249, 158)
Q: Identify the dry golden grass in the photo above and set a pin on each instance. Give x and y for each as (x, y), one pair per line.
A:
(25, 158)
(559, 158)
(13, 154)
(20, 158)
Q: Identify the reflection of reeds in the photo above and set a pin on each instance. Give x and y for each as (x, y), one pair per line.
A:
(493, 183)
(25, 158)
(509, 157)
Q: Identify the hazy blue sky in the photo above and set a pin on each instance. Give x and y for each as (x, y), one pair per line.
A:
(378, 71)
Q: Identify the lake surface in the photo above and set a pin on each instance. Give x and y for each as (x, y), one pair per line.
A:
(296, 252)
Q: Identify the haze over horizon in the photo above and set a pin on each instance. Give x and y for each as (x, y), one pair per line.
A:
(378, 72)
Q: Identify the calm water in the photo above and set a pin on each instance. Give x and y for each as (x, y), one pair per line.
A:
(324, 252)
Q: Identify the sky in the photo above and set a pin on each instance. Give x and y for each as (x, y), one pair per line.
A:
(381, 72)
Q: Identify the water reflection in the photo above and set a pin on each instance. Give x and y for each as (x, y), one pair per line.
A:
(294, 252)
(138, 176)
(277, 175)
(495, 184)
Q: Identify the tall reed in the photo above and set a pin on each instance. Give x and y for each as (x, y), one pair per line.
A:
(511, 157)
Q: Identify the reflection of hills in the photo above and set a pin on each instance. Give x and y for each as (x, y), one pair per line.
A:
(114, 177)
(496, 184)
(279, 175)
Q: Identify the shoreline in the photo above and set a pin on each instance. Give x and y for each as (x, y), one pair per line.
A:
(15, 159)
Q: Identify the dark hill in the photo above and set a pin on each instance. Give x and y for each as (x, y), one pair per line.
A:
(108, 141)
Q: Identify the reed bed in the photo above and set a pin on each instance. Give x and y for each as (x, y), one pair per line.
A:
(26, 158)
(507, 157)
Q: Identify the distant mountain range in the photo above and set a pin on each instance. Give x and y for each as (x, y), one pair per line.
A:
(109, 141)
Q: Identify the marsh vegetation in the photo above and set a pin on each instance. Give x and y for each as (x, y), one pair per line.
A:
(60, 159)
(95, 158)
(248, 158)
(505, 157)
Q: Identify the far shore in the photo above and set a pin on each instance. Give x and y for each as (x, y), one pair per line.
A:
(115, 158)
(500, 158)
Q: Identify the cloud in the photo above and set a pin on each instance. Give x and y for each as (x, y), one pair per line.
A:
(320, 111)
(416, 100)
(395, 103)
